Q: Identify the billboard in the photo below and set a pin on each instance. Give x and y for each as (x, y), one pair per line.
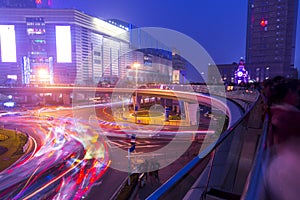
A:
(8, 43)
(63, 44)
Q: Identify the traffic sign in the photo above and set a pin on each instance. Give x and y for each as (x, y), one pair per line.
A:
(132, 148)
(132, 142)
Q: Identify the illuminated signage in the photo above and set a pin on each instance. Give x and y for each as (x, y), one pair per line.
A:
(63, 44)
(13, 77)
(8, 43)
(9, 104)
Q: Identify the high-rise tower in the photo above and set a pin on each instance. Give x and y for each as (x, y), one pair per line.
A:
(271, 36)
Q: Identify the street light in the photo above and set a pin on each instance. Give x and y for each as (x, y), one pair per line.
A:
(136, 65)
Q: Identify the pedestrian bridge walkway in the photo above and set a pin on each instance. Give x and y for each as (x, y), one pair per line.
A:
(221, 171)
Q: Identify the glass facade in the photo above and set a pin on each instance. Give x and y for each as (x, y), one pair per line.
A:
(57, 46)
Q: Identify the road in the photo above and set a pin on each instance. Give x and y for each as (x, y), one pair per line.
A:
(145, 151)
(57, 156)
(106, 144)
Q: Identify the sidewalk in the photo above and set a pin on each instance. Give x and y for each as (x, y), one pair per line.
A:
(165, 173)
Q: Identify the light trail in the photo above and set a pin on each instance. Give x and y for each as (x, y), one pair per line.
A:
(51, 182)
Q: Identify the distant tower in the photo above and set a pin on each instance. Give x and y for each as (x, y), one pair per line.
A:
(178, 64)
(271, 36)
(241, 74)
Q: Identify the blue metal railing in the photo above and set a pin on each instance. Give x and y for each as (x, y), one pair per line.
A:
(196, 167)
(181, 173)
(255, 179)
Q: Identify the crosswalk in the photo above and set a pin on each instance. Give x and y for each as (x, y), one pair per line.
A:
(124, 126)
(123, 144)
(113, 124)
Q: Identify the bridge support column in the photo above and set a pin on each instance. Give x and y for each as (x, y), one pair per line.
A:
(66, 99)
(137, 101)
(182, 110)
(28, 99)
(191, 112)
(55, 97)
(162, 102)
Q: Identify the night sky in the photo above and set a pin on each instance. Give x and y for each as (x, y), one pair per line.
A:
(218, 25)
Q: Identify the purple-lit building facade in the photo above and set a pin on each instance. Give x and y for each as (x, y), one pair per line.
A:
(229, 73)
(270, 44)
(56, 46)
(241, 74)
(271, 36)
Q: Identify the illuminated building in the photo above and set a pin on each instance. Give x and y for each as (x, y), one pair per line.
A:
(156, 63)
(37, 65)
(241, 74)
(271, 36)
(55, 46)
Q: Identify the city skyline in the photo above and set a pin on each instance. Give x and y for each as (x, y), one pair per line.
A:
(225, 45)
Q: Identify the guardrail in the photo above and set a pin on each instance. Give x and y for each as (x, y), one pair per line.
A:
(217, 166)
(251, 190)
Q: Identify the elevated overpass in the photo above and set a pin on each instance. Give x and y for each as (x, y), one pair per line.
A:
(74, 96)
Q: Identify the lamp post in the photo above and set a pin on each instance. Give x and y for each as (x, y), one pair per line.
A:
(136, 65)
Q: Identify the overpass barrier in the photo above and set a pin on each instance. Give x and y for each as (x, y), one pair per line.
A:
(222, 169)
(253, 185)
